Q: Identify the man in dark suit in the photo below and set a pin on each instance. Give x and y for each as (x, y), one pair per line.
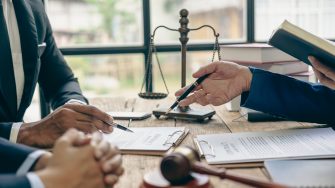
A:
(268, 92)
(29, 55)
(77, 161)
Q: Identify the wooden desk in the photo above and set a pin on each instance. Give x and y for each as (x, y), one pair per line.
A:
(223, 122)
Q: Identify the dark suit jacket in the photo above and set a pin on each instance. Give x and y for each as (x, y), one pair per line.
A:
(290, 98)
(48, 68)
(12, 156)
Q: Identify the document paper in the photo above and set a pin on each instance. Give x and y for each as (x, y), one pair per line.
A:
(146, 138)
(259, 146)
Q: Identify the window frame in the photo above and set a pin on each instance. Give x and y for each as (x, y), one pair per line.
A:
(143, 49)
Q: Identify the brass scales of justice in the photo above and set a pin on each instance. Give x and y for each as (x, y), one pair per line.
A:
(178, 112)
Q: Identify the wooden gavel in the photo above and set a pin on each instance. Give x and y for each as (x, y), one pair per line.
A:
(177, 167)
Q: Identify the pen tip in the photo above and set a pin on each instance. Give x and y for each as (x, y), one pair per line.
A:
(169, 110)
(130, 131)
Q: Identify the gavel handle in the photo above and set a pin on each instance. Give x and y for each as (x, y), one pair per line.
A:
(205, 169)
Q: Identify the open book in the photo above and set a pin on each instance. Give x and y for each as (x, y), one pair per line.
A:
(248, 147)
(147, 140)
(301, 44)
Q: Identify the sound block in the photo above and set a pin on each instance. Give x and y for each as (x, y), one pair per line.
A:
(155, 179)
(188, 113)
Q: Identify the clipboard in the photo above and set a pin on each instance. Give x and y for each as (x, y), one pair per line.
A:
(251, 149)
(167, 138)
(202, 154)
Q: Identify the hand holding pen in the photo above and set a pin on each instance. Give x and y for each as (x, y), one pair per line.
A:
(96, 117)
(188, 91)
(85, 118)
(121, 127)
(220, 83)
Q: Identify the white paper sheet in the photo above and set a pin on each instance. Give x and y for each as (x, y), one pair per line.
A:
(146, 138)
(259, 146)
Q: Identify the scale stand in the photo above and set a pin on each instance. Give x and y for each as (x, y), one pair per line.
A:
(185, 112)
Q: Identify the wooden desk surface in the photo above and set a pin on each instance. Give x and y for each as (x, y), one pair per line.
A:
(223, 122)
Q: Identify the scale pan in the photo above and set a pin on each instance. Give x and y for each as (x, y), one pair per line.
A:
(150, 95)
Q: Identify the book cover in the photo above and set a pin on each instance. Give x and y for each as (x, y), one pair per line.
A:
(301, 44)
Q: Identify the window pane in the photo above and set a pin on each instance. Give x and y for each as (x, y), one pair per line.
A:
(316, 16)
(96, 22)
(171, 66)
(227, 17)
(108, 75)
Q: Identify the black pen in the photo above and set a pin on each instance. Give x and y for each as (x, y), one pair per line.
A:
(115, 125)
(188, 91)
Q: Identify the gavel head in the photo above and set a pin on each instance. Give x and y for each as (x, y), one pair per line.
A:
(176, 167)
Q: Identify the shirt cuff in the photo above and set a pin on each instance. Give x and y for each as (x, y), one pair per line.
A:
(76, 101)
(15, 131)
(35, 181)
(29, 162)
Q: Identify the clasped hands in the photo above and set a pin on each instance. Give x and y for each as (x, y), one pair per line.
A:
(80, 160)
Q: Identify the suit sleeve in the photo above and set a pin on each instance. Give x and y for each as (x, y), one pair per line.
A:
(5, 129)
(12, 156)
(290, 98)
(13, 181)
(56, 78)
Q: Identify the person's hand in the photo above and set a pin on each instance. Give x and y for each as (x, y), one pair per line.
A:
(72, 164)
(42, 161)
(109, 158)
(45, 132)
(325, 74)
(107, 155)
(227, 80)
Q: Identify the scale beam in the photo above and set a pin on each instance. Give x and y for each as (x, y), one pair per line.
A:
(184, 113)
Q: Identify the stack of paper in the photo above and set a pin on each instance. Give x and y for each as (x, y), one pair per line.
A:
(260, 146)
(302, 173)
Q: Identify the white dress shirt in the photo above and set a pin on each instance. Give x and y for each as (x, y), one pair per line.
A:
(15, 46)
(34, 180)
